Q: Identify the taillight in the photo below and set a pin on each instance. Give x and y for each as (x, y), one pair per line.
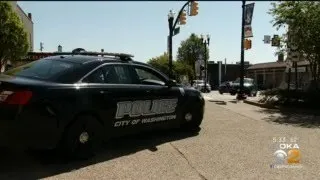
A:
(17, 97)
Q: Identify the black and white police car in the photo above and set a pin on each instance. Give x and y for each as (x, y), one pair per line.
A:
(74, 102)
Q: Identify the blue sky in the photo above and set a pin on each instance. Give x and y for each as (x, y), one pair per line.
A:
(141, 27)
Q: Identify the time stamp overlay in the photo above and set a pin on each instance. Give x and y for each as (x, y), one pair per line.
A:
(286, 152)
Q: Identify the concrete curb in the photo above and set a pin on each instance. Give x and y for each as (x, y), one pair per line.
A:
(296, 110)
(212, 100)
(217, 101)
(268, 106)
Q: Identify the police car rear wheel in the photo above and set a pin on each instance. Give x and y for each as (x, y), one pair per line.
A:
(82, 138)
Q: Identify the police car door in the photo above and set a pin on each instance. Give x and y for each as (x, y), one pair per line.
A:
(125, 93)
(163, 101)
(110, 88)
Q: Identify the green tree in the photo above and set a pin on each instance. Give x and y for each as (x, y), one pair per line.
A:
(160, 62)
(179, 68)
(190, 50)
(14, 42)
(302, 18)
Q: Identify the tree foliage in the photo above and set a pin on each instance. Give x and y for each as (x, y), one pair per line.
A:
(14, 42)
(179, 68)
(303, 20)
(160, 62)
(190, 50)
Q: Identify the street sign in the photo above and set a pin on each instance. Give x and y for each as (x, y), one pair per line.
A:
(267, 39)
(176, 31)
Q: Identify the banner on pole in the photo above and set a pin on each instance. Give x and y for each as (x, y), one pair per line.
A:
(248, 31)
(248, 20)
(248, 14)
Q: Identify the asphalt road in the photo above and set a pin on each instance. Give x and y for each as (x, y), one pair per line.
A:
(235, 142)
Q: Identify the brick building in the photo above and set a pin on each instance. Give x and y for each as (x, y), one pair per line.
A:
(275, 74)
(219, 72)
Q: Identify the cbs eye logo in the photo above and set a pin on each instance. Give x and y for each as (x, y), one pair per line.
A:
(293, 156)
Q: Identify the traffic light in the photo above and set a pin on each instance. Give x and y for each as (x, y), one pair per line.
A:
(275, 41)
(247, 44)
(183, 18)
(194, 8)
(280, 57)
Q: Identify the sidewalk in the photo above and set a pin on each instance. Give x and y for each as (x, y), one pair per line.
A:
(255, 101)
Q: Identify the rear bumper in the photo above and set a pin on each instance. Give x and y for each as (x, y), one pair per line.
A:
(29, 129)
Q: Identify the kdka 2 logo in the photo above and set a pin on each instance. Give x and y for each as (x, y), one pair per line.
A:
(287, 154)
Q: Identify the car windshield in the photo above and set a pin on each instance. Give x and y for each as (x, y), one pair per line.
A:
(41, 69)
(245, 80)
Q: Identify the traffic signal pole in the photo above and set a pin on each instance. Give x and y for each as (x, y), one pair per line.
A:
(172, 26)
(170, 20)
(240, 95)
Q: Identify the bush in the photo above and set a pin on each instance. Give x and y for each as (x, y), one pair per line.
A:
(308, 99)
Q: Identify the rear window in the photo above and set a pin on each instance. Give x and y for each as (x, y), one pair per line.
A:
(41, 69)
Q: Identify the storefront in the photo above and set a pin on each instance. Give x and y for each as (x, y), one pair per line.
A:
(274, 74)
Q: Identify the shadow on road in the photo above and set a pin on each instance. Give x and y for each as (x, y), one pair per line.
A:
(37, 165)
(221, 103)
(283, 116)
(234, 101)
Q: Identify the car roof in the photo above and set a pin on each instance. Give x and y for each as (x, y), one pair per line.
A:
(81, 59)
(85, 59)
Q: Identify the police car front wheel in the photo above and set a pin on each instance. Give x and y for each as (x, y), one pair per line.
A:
(192, 119)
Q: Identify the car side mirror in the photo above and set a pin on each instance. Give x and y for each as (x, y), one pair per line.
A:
(171, 83)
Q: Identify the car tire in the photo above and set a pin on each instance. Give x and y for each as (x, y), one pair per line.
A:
(220, 92)
(252, 93)
(195, 121)
(81, 138)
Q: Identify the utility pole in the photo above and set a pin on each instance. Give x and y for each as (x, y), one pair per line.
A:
(225, 68)
(41, 46)
(206, 42)
(170, 21)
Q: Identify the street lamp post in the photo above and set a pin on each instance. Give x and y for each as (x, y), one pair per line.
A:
(206, 42)
(241, 93)
(172, 26)
(170, 20)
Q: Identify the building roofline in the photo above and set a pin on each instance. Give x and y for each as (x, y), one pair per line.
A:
(24, 13)
(275, 65)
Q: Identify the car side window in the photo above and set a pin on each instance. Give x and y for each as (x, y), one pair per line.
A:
(145, 74)
(117, 74)
(95, 77)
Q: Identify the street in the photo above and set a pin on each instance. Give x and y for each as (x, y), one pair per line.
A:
(235, 142)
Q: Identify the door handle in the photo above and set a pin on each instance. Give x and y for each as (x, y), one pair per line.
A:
(104, 92)
(149, 91)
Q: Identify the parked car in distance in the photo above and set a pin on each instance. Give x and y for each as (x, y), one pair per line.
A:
(225, 87)
(199, 85)
(250, 88)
